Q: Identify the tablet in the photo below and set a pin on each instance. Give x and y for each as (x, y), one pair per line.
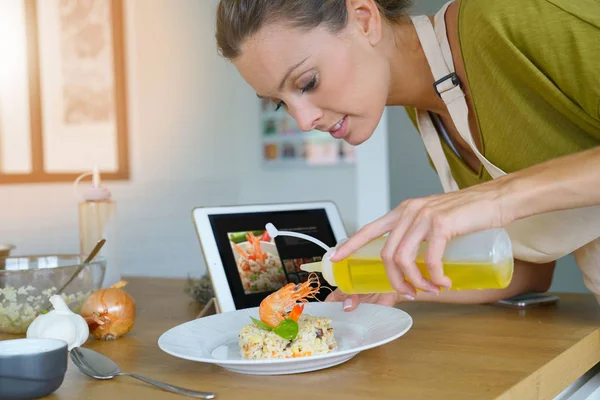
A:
(231, 238)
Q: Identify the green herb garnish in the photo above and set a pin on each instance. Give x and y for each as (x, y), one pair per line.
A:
(261, 324)
(287, 329)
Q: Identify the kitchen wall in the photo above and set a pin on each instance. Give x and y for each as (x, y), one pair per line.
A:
(412, 176)
(194, 137)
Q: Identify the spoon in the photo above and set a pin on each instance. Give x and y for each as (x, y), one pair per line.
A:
(85, 262)
(88, 259)
(99, 366)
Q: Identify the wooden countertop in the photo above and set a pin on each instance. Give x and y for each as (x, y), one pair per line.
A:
(451, 352)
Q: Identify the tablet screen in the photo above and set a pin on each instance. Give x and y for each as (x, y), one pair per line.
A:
(257, 265)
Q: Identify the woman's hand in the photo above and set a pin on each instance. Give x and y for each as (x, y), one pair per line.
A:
(436, 219)
(566, 182)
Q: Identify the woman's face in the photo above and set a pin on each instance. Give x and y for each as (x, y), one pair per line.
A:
(335, 83)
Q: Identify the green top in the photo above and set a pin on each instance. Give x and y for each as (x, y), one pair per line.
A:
(533, 69)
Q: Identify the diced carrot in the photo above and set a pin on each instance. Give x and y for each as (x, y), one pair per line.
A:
(296, 312)
(306, 353)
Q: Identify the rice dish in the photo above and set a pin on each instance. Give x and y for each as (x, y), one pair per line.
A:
(261, 277)
(258, 262)
(315, 336)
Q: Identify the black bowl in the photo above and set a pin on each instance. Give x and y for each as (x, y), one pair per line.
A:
(31, 368)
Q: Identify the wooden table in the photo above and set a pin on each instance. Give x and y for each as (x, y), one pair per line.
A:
(452, 352)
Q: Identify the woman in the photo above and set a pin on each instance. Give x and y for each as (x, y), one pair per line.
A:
(505, 94)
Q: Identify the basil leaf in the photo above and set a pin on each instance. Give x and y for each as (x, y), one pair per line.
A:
(287, 329)
(261, 324)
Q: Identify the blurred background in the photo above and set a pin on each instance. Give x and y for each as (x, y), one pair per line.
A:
(195, 138)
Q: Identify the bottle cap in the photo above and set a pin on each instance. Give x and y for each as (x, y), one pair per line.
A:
(325, 267)
(96, 192)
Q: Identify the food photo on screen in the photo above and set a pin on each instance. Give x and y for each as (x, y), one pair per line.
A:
(257, 260)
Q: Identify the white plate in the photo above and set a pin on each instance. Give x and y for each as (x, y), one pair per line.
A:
(214, 339)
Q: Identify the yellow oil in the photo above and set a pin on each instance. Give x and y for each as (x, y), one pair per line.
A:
(367, 275)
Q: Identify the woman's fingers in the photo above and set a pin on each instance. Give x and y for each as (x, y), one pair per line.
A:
(335, 296)
(349, 302)
(390, 299)
(393, 270)
(436, 245)
(402, 247)
(408, 251)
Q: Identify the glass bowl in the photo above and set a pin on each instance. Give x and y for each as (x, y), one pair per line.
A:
(27, 282)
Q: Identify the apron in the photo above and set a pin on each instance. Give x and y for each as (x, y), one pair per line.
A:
(540, 238)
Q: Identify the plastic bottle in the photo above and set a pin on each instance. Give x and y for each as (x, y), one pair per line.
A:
(480, 260)
(98, 220)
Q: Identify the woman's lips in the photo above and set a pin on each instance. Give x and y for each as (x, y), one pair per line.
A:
(340, 129)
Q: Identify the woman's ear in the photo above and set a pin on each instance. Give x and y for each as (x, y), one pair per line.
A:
(364, 14)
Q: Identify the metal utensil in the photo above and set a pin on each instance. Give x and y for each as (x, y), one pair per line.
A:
(85, 262)
(98, 366)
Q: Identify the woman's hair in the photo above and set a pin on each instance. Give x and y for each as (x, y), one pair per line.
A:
(237, 20)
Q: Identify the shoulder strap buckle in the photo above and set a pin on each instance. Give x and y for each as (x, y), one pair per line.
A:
(454, 82)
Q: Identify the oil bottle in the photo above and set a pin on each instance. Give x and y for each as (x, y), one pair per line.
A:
(97, 213)
(475, 261)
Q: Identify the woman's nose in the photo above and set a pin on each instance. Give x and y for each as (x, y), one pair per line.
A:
(307, 117)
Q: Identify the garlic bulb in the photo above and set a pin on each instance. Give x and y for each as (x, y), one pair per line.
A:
(60, 323)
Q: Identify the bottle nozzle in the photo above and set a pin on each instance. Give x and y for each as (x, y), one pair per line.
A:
(96, 177)
(96, 192)
(274, 232)
(271, 230)
(312, 267)
(325, 270)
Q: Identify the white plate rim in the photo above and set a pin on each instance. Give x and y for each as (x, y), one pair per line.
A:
(401, 314)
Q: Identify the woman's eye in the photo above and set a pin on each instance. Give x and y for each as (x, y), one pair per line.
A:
(310, 85)
(279, 105)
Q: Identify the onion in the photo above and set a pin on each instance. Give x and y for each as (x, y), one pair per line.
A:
(110, 312)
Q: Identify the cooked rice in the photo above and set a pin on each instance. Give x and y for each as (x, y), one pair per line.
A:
(315, 336)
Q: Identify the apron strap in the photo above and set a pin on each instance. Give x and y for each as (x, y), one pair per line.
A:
(440, 33)
(447, 84)
(434, 148)
(429, 134)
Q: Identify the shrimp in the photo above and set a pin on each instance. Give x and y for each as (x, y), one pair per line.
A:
(240, 251)
(257, 252)
(253, 253)
(249, 260)
(273, 308)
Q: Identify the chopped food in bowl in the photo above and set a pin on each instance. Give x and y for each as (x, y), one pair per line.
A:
(28, 282)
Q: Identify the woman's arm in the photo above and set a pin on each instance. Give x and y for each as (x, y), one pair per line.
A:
(571, 181)
(567, 182)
